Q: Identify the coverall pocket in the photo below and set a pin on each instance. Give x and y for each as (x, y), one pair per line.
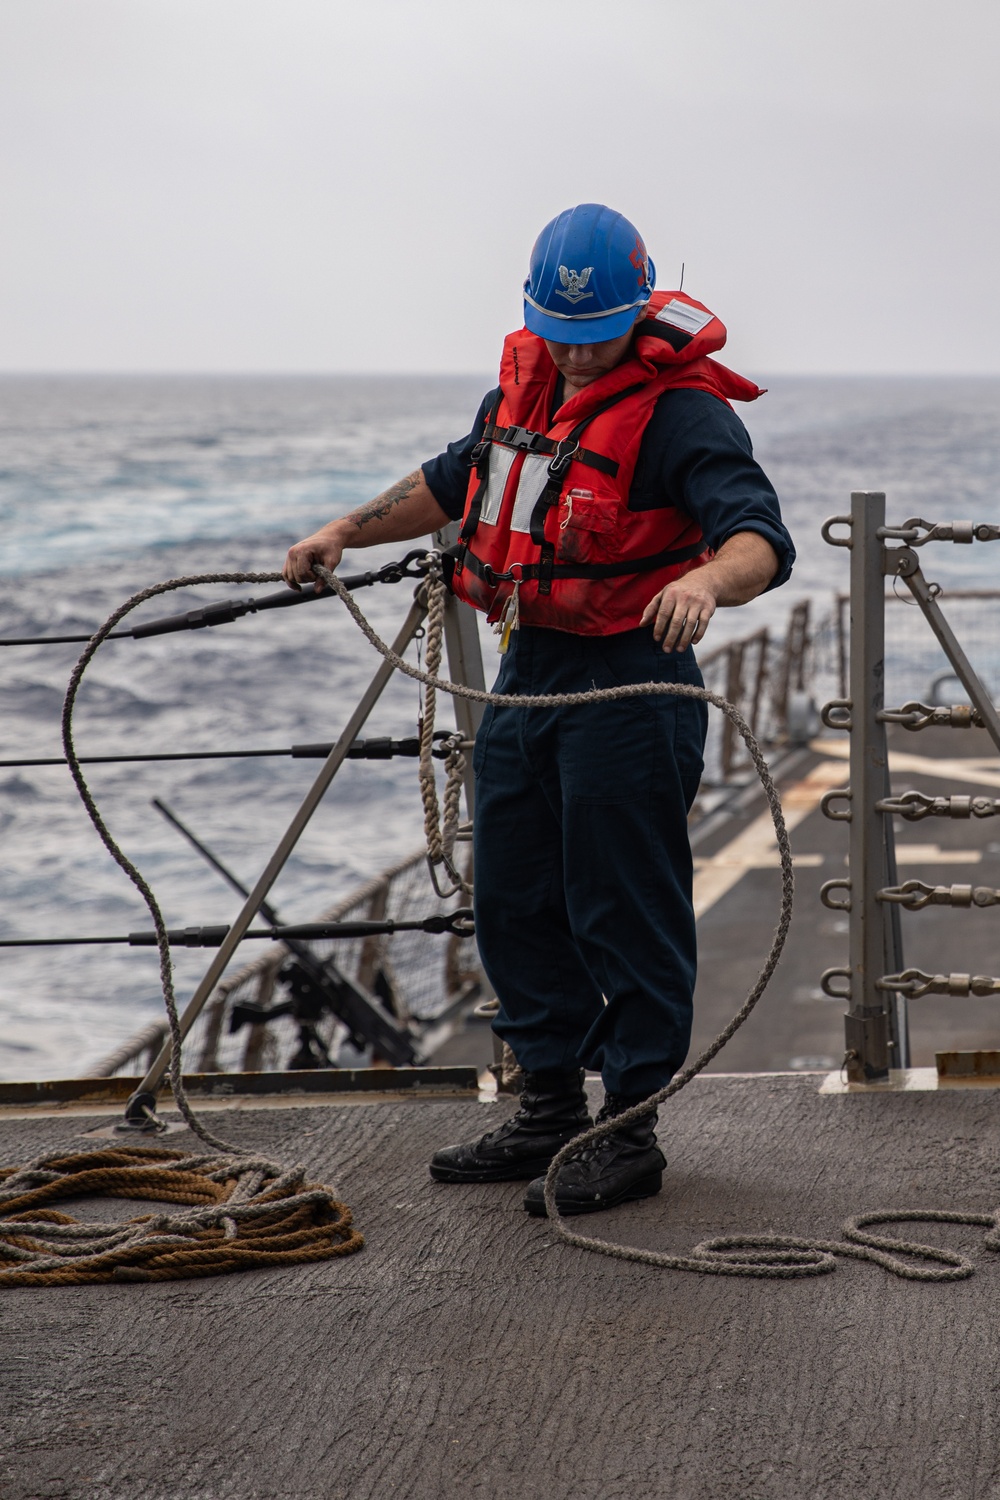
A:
(622, 665)
(632, 746)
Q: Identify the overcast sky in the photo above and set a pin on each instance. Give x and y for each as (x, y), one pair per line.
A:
(338, 185)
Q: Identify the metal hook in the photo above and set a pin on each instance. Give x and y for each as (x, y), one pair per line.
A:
(841, 884)
(827, 535)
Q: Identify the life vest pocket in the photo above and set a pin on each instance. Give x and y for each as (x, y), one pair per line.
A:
(591, 527)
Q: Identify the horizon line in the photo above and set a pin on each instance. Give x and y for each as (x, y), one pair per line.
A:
(315, 374)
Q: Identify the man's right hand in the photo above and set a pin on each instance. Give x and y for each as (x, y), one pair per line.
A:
(325, 546)
(405, 510)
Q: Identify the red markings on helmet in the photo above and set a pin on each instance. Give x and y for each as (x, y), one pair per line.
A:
(640, 261)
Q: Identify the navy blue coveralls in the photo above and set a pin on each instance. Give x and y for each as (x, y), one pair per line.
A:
(583, 903)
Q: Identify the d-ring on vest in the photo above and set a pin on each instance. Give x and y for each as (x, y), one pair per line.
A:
(547, 507)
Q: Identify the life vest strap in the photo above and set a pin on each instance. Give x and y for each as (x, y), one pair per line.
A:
(567, 451)
(481, 463)
(523, 439)
(544, 568)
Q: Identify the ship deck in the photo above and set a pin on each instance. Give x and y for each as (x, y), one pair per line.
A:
(465, 1351)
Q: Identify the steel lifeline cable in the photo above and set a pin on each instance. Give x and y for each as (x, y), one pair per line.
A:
(734, 1255)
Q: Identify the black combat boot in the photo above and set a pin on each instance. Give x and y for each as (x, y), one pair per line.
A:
(553, 1110)
(627, 1164)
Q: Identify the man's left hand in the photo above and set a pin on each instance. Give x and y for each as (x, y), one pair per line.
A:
(741, 569)
(681, 611)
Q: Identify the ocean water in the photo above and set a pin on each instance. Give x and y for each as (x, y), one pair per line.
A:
(109, 484)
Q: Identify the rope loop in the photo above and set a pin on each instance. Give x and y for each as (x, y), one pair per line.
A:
(114, 849)
(243, 1212)
(250, 1196)
(746, 1255)
(440, 834)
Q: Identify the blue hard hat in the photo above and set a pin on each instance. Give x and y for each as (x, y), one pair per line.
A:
(589, 277)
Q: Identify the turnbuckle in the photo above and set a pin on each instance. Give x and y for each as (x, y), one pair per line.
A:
(916, 716)
(914, 983)
(913, 715)
(916, 532)
(916, 894)
(916, 805)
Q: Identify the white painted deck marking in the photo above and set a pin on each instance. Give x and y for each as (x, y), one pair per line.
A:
(755, 847)
(973, 772)
(908, 1081)
(933, 854)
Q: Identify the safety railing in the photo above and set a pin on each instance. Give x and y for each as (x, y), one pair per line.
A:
(773, 680)
(915, 667)
(418, 977)
(875, 983)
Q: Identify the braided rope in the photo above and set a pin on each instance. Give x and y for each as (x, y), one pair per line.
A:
(116, 852)
(737, 1255)
(440, 834)
(244, 1212)
(733, 1255)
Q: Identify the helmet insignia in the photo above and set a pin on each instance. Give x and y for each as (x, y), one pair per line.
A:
(574, 283)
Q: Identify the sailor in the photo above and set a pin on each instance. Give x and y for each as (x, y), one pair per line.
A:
(610, 504)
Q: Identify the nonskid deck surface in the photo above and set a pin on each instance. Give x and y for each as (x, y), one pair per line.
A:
(464, 1352)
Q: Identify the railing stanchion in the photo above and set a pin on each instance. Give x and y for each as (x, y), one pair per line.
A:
(872, 1028)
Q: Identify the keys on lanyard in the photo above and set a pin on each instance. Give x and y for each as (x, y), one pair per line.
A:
(510, 618)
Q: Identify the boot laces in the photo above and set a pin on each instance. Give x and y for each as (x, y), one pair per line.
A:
(607, 1147)
(611, 1143)
(506, 1127)
(521, 1116)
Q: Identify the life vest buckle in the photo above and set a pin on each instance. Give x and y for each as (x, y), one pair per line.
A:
(516, 573)
(563, 456)
(524, 440)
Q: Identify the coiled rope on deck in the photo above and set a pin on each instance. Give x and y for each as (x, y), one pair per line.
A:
(244, 1213)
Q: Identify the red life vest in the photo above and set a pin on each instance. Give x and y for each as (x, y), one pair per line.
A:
(547, 506)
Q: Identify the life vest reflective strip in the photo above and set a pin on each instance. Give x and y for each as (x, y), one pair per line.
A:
(522, 474)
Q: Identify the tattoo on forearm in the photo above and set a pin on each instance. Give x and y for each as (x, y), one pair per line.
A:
(382, 505)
